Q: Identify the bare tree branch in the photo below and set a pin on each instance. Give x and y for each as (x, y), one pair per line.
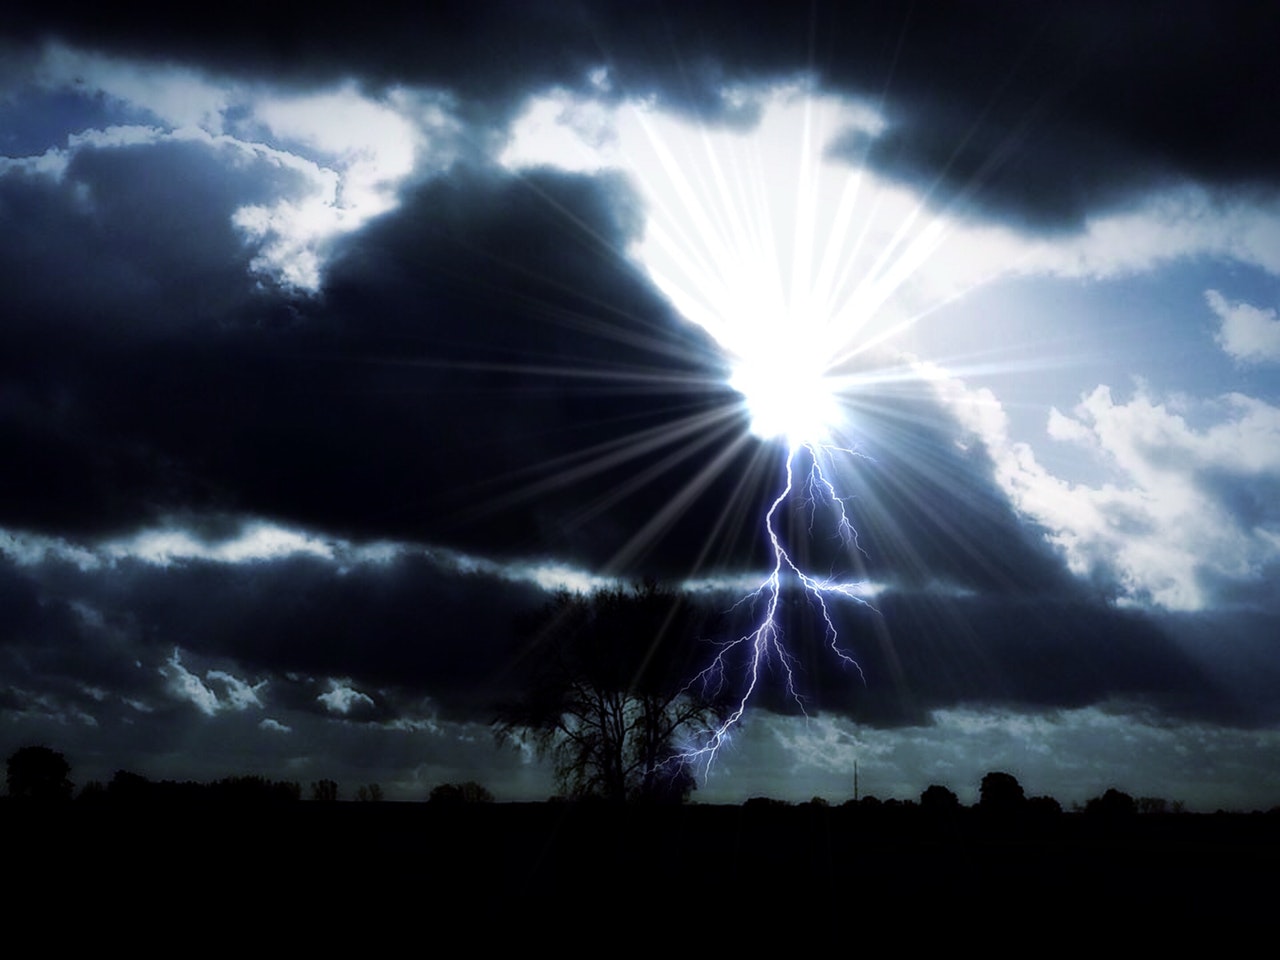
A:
(607, 698)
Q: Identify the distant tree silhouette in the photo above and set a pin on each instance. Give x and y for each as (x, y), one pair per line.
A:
(1112, 805)
(608, 699)
(253, 790)
(324, 790)
(1000, 794)
(369, 794)
(458, 793)
(938, 799)
(39, 773)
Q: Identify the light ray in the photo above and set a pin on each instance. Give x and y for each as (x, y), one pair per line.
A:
(784, 260)
(795, 264)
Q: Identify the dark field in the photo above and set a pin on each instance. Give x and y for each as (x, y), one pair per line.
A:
(352, 863)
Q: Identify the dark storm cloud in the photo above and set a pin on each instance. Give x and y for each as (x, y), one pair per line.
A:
(115, 277)
(409, 624)
(924, 651)
(148, 377)
(409, 632)
(134, 241)
(145, 374)
(57, 657)
(397, 631)
(466, 300)
(1042, 112)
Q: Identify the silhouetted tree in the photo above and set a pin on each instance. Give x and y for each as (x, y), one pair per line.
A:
(608, 697)
(1000, 794)
(937, 799)
(1112, 805)
(253, 790)
(325, 790)
(458, 793)
(39, 773)
(369, 794)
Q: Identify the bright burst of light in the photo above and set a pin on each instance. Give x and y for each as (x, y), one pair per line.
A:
(785, 257)
(788, 393)
(790, 260)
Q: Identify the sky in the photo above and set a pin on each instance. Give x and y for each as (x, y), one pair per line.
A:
(329, 350)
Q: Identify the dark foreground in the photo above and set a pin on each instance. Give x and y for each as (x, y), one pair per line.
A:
(345, 864)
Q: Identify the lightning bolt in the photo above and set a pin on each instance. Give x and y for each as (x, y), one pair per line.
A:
(791, 261)
(798, 260)
(765, 646)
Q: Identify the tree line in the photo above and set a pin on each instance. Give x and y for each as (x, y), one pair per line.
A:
(40, 774)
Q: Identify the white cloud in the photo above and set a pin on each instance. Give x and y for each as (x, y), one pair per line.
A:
(564, 131)
(274, 726)
(1248, 333)
(239, 695)
(1175, 223)
(186, 685)
(178, 96)
(1167, 225)
(375, 143)
(353, 149)
(416, 725)
(1164, 531)
(255, 542)
(368, 148)
(1161, 228)
(52, 164)
(33, 549)
(119, 135)
(259, 541)
(342, 697)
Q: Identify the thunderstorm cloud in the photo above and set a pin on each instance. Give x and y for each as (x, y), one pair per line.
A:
(332, 348)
